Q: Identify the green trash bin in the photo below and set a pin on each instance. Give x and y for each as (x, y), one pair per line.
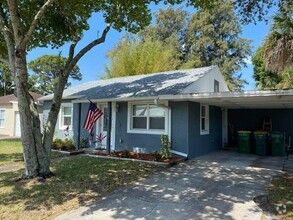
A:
(278, 144)
(260, 143)
(244, 141)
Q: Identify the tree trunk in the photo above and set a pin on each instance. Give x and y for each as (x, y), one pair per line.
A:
(36, 157)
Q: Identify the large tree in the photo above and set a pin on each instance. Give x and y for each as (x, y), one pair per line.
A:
(264, 79)
(134, 56)
(213, 38)
(205, 38)
(278, 46)
(26, 24)
(45, 73)
(273, 62)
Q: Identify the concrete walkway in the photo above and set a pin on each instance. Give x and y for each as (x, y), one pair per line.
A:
(220, 185)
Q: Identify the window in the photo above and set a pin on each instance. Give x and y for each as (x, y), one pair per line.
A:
(204, 119)
(105, 118)
(216, 86)
(147, 118)
(2, 118)
(66, 116)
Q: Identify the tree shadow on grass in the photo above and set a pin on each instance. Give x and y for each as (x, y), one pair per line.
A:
(78, 181)
(14, 157)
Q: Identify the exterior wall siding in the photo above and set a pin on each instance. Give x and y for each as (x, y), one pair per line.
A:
(9, 122)
(185, 134)
(128, 141)
(179, 126)
(203, 144)
(252, 119)
(76, 121)
(58, 133)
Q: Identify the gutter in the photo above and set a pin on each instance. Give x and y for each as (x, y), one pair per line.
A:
(208, 95)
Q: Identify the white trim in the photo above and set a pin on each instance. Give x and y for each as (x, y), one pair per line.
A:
(207, 120)
(204, 95)
(113, 124)
(100, 123)
(61, 127)
(179, 153)
(17, 133)
(147, 131)
(4, 119)
(169, 121)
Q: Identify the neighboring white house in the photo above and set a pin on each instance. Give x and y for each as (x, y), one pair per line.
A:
(9, 115)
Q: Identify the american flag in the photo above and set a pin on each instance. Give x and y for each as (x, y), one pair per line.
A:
(92, 116)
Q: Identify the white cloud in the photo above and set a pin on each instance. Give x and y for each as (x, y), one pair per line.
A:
(248, 61)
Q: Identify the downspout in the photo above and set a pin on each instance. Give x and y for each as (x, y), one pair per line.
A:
(109, 126)
(78, 130)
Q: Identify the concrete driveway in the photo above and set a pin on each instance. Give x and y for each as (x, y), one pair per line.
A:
(220, 185)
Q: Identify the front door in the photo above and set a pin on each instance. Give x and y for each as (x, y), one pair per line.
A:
(102, 131)
(17, 125)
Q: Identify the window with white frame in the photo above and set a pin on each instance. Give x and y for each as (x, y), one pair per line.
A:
(216, 86)
(2, 118)
(204, 119)
(147, 118)
(65, 116)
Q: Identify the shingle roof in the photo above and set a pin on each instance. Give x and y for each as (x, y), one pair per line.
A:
(164, 83)
(12, 98)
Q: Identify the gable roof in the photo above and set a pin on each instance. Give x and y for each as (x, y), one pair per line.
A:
(164, 83)
(12, 98)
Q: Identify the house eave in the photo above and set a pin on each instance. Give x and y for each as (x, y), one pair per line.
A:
(243, 99)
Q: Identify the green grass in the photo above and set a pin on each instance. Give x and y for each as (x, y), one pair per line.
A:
(281, 192)
(10, 152)
(78, 181)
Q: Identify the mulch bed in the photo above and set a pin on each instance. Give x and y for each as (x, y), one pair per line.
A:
(139, 156)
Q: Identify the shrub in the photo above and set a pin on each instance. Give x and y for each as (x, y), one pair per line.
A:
(156, 155)
(57, 144)
(66, 144)
(125, 154)
(84, 142)
(166, 147)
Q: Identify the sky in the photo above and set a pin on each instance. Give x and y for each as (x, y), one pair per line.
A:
(92, 65)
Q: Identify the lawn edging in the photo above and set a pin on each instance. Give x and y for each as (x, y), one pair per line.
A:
(69, 153)
(140, 161)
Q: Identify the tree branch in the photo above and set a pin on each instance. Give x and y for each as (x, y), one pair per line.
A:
(36, 20)
(71, 50)
(5, 61)
(8, 36)
(15, 20)
(90, 46)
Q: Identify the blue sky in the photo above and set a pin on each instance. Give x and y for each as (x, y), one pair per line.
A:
(93, 63)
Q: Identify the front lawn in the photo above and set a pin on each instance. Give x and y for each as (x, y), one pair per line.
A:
(281, 193)
(78, 181)
(10, 152)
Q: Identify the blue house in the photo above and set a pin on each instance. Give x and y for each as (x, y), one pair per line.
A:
(193, 107)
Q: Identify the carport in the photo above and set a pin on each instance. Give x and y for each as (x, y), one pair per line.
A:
(246, 110)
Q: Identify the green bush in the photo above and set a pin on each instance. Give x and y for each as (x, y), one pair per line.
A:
(166, 147)
(156, 156)
(57, 144)
(66, 144)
